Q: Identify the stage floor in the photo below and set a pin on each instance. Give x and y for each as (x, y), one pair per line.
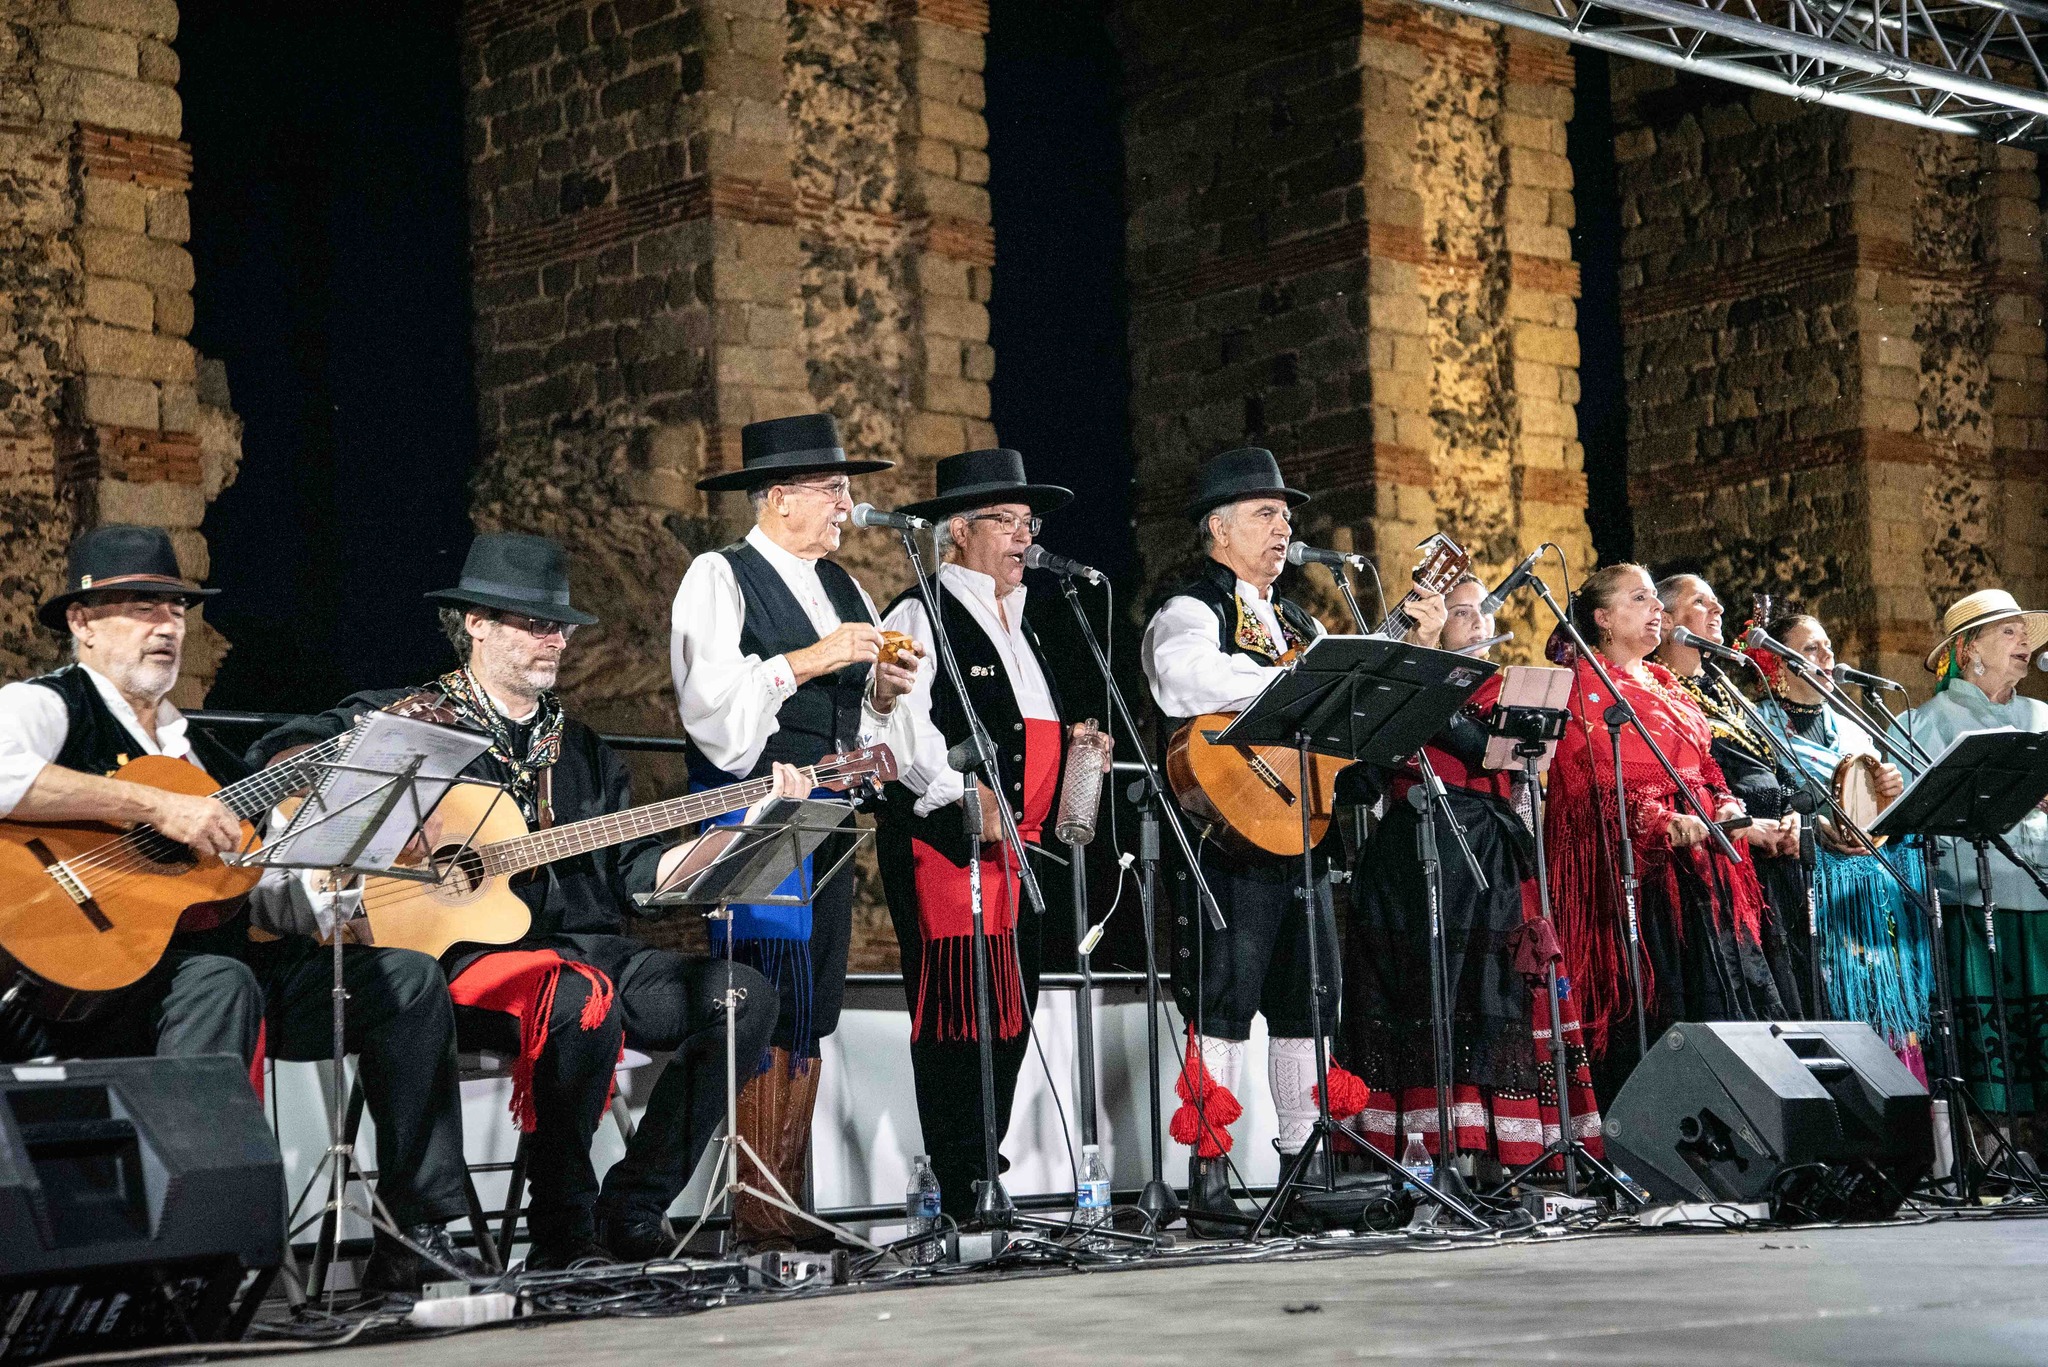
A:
(1947, 1292)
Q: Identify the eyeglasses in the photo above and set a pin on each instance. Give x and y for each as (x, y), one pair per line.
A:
(540, 628)
(1008, 523)
(836, 490)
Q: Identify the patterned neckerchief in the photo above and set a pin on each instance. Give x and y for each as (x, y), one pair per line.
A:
(1724, 719)
(472, 706)
(1252, 635)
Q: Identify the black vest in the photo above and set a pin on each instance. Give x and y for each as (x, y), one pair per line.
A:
(1215, 585)
(995, 698)
(97, 742)
(823, 715)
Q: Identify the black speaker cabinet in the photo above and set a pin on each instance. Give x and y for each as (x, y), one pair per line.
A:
(135, 1196)
(1817, 1118)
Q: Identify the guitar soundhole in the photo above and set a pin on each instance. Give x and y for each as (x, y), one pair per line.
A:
(162, 851)
(462, 870)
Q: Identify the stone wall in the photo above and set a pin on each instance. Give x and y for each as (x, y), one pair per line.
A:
(687, 217)
(1834, 358)
(106, 412)
(1349, 241)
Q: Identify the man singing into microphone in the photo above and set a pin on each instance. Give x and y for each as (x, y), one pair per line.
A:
(776, 656)
(1211, 647)
(987, 514)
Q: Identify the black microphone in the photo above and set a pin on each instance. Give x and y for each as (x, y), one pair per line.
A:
(1763, 640)
(1491, 603)
(1301, 553)
(868, 515)
(1694, 641)
(1038, 557)
(1845, 675)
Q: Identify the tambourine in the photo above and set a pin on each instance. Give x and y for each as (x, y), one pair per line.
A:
(1854, 788)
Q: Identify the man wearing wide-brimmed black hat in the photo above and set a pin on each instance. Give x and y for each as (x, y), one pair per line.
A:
(564, 998)
(987, 513)
(1212, 646)
(123, 608)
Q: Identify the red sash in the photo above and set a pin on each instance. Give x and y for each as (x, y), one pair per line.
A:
(521, 983)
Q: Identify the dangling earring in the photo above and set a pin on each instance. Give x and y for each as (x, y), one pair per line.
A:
(1977, 668)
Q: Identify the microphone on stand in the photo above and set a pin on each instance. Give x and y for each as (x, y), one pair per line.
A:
(1038, 557)
(1506, 589)
(1845, 675)
(868, 515)
(1301, 553)
(1763, 640)
(1694, 641)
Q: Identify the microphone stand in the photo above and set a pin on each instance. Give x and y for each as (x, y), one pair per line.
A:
(1157, 807)
(1622, 713)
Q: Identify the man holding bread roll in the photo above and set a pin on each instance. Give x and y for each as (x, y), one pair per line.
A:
(778, 657)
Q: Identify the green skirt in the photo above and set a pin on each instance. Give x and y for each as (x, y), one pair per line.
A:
(2023, 959)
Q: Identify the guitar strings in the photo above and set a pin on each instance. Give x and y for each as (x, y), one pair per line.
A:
(396, 898)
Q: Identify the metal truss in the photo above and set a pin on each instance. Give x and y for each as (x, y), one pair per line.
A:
(1961, 66)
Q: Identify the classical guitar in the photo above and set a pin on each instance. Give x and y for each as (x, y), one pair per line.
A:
(87, 908)
(472, 900)
(1248, 793)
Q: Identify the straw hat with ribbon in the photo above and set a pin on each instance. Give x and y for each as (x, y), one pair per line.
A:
(1982, 609)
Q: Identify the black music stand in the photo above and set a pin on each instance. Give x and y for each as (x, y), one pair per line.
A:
(1980, 787)
(749, 871)
(1360, 698)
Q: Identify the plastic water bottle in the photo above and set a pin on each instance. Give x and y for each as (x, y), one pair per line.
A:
(1091, 1197)
(1415, 1158)
(921, 1209)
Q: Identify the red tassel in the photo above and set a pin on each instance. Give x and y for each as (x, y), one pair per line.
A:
(1208, 1109)
(1348, 1092)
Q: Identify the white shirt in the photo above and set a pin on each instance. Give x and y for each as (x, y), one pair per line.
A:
(1186, 664)
(923, 767)
(729, 700)
(34, 726)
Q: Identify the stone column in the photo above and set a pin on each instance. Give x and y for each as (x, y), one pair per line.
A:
(688, 217)
(1834, 356)
(106, 412)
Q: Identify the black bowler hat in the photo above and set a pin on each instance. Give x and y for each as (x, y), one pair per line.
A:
(516, 573)
(129, 560)
(1248, 472)
(975, 479)
(781, 449)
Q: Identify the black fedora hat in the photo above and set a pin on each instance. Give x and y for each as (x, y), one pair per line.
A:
(124, 559)
(516, 573)
(975, 479)
(781, 449)
(1248, 472)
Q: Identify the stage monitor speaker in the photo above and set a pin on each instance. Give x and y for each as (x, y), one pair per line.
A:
(135, 1197)
(1817, 1118)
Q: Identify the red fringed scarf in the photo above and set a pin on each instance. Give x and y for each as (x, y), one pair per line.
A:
(1582, 830)
(1208, 1108)
(521, 983)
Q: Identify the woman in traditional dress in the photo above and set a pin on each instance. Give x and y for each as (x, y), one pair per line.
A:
(1986, 644)
(1751, 768)
(1701, 915)
(1875, 964)
(1497, 949)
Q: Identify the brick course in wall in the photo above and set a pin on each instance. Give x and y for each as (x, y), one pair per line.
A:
(106, 412)
(1834, 357)
(1348, 240)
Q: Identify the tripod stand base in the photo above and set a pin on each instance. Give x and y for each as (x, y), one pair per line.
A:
(1159, 1205)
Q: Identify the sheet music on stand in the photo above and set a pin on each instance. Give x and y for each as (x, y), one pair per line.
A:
(365, 808)
(1982, 785)
(761, 856)
(1359, 697)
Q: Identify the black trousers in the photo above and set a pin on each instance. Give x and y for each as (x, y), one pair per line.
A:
(662, 1001)
(399, 1024)
(1258, 964)
(947, 1073)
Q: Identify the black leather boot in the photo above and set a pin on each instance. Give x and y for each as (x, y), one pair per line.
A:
(394, 1268)
(1209, 1192)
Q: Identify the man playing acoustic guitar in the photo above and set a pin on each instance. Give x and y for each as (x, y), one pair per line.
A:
(1211, 647)
(564, 997)
(214, 992)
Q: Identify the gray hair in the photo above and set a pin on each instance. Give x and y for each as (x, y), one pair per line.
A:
(1672, 586)
(758, 496)
(455, 626)
(943, 540)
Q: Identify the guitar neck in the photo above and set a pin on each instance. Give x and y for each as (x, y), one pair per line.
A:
(1398, 622)
(251, 798)
(580, 837)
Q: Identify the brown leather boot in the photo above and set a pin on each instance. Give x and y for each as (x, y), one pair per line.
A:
(775, 1120)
